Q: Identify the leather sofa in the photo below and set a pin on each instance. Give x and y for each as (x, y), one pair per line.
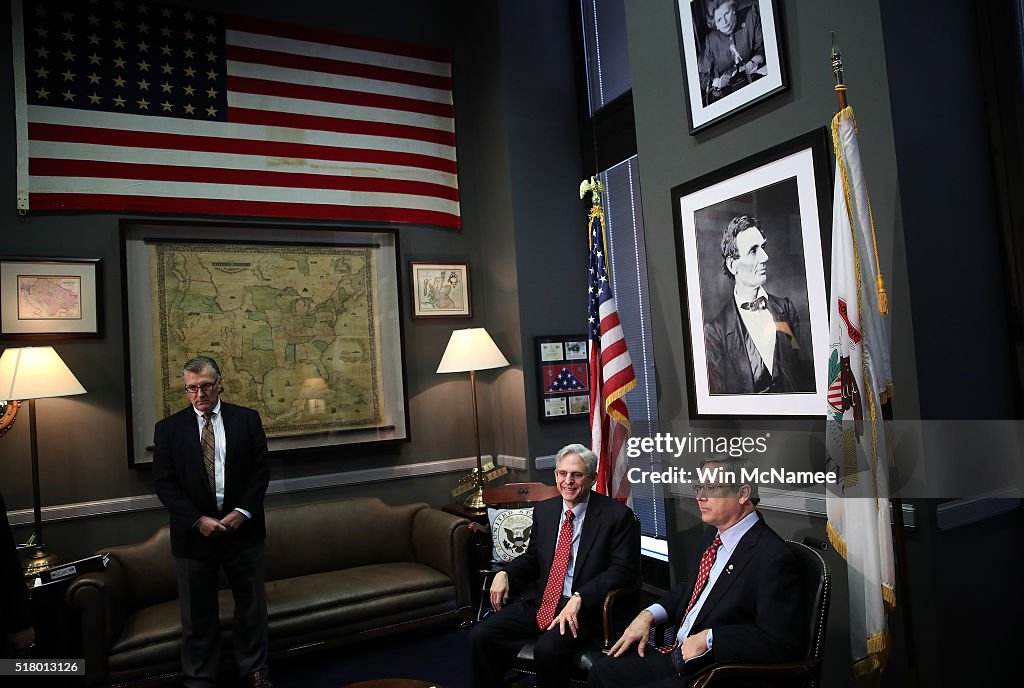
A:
(336, 572)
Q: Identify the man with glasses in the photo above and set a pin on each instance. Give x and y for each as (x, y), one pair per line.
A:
(583, 545)
(210, 471)
(738, 603)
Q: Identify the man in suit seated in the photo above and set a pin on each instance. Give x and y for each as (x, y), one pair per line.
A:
(583, 545)
(751, 345)
(210, 471)
(739, 602)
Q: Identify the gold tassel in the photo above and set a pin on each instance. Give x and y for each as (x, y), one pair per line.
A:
(883, 298)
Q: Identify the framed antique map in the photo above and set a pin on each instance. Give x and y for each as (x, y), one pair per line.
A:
(305, 330)
(48, 298)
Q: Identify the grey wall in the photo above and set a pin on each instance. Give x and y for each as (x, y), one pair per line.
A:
(82, 444)
(921, 133)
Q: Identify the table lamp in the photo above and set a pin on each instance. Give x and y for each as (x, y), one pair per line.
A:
(472, 349)
(36, 372)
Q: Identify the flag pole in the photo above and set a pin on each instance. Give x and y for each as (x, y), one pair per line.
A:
(895, 502)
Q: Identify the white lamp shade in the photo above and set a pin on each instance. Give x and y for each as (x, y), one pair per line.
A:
(471, 349)
(35, 372)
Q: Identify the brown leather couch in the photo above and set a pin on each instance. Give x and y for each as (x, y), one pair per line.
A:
(336, 572)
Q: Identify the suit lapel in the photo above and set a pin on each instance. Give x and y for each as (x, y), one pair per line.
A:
(591, 524)
(733, 569)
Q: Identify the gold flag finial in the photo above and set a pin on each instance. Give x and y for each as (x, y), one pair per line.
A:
(594, 187)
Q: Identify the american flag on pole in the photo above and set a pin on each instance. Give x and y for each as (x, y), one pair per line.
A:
(611, 372)
(158, 108)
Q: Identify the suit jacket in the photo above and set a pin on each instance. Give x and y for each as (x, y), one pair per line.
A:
(182, 485)
(608, 555)
(725, 342)
(754, 606)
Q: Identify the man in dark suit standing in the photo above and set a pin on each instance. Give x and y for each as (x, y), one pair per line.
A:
(739, 602)
(583, 545)
(210, 470)
(751, 344)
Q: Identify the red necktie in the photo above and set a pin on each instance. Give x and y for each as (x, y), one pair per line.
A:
(703, 571)
(556, 579)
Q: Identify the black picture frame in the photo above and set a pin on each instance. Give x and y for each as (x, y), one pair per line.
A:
(563, 377)
(787, 189)
(715, 68)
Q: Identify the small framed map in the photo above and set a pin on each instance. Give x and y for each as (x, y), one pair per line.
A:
(49, 298)
(304, 324)
(440, 290)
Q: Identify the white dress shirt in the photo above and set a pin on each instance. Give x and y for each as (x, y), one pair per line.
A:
(760, 326)
(220, 450)
(579, 512)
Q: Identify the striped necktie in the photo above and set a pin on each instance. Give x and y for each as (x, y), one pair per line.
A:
(208, 443)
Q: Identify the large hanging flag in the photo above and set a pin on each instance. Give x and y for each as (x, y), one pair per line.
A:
(138, 106)
(611, 371)
(861, 381)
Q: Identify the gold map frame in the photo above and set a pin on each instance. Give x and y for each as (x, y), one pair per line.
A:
(306, 330)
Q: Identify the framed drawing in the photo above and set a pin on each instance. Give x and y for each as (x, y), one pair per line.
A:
(732, 54)
(304, 323)
(563, 377)
(49, 298)
(440, 290)
(749, 247)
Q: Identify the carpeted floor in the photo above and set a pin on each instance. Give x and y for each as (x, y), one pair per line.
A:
(440, 656)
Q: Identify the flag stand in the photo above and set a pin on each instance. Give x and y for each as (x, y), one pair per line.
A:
(896, 503)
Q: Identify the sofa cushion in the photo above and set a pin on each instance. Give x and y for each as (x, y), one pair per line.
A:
(403, 583)
(330, 536)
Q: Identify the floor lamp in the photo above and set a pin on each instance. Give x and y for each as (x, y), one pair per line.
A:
(471, 350)
(36, 372)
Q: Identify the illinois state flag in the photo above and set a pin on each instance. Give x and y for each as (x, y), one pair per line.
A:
(141, 106)
(860, 382)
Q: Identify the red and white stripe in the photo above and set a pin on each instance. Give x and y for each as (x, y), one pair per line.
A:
(611, 377)
(320, 125)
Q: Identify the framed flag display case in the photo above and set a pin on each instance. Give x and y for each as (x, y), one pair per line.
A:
(563, 377)
(749, 248)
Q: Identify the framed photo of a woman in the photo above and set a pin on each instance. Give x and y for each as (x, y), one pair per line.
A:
(752, 276)
(732, 54)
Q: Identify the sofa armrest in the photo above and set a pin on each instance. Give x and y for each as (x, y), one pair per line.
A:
(101, 597)
(441, 540)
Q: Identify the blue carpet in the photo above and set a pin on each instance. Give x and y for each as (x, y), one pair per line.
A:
(437, 655)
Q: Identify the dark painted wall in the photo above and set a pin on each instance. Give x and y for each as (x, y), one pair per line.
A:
(923, 145)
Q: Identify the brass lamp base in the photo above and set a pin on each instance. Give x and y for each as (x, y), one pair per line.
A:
(39, 562)
(475, 500)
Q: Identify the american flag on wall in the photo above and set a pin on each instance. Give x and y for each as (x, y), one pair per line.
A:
(611, 372)
(137, 106)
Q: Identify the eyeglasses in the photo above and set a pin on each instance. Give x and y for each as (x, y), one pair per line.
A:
(708, 490)
(205, 387)
(575, 475)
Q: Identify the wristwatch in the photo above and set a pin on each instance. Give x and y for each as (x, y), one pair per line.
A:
(576, 594)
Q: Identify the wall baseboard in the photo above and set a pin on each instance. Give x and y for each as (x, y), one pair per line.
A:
(123, 505)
